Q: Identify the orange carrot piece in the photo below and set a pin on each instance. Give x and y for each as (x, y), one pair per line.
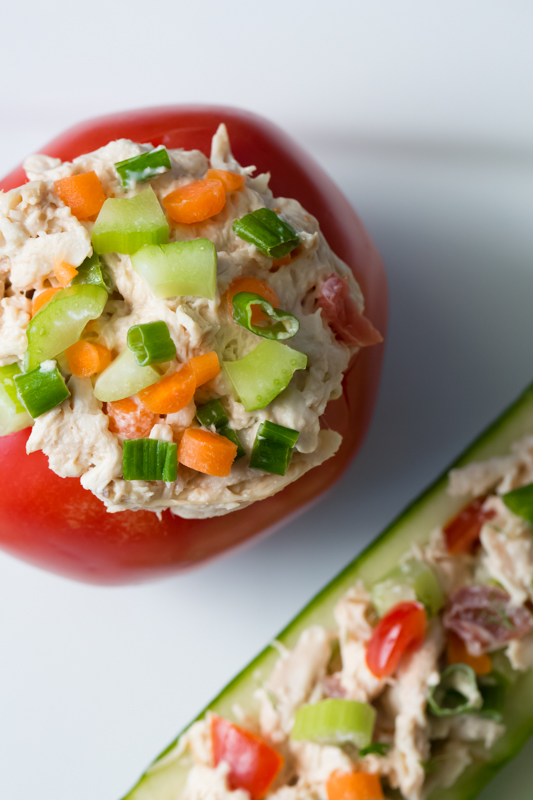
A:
(354, 786)
(86, 359)
(255, 286)
(39, 301)
(205, 367)
(457, 653)
(231, 181)
(83, 194)
(64, 273)
(171, 393)
(196, 201)
(130, 419)
(207, 452)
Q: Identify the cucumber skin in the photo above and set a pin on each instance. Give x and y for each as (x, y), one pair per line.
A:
(166, 776)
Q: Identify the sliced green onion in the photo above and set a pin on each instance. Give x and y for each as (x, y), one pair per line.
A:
(150, 343)
(212, 413)
(232, 435)
(124, 225)
(285, 325)
(493, 688)
(123, 378)
(278, 433)
(41, 389)
(179, 269)
(269, 456)
(91, 271)
(335, 722)
(456, 693)
(143, 167)
(410, 580)
(268, 232)
(379, 748)
(13, 415)
(150, 460)
(520, 502)
(61, 321)
(265, 372)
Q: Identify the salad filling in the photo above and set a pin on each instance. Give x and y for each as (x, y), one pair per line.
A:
(408, 689)
(139, 288)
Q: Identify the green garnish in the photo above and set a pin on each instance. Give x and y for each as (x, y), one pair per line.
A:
(126, 224)
(272, 450)
(410, 580)
(284, 325)
(268, 232)
(212, 413)
(232, 435)
(379, 748)
(150, 460)
(520, 502)
(265, 372)
(150, 343)
(143, 167)
(179, 269)
(41, 389)
(92, 272)
(335, 722)
(456, 693)
(123, 378)
(278, 433)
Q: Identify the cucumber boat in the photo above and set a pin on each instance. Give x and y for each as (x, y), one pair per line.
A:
(166, 777)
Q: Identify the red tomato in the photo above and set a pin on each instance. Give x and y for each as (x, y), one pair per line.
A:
(343, 315)
(401, 629)
(53, 522)
(462, 532)
(253, 764)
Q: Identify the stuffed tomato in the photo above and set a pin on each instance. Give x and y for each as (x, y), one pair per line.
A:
(410, 675)
(183, 337)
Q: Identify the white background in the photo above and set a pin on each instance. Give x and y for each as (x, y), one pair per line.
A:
(422, 112)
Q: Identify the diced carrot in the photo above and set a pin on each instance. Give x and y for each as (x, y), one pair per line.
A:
(130, 419)
(255, 286)
(64, 273)
(457, 653)
(42, 298)
(83, 194)
(207, 452)
(196, 201)
(280, 262)
(354, 786)
(231, 181)
(85, 358)
(171, 393)
(205, 367)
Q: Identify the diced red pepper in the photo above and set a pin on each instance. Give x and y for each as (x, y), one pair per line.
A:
(401, 630)
(462, 532)
(253, 764)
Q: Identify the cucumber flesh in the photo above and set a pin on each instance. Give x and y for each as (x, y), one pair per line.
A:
(166, 777)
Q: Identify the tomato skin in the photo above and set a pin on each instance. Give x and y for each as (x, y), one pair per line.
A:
(401, 630)
(253, 764)
(462, 532)
(53, 522)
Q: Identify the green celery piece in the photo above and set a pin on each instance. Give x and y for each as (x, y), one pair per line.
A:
(520, 502)
(456, 693)
(179, 269)
(7, 375)
(212, 413)
(13, 415)
(232, 435)
(335, 722)
(278, 433)
(41, 389)
(123, 378)
(61, 321)
(143, 167)
(150, 460)
(270, 456)
(265, 372)
(92, 272)
(410, 580)
(151, 343)
(268, 232)
(126, 224)
(284, 325)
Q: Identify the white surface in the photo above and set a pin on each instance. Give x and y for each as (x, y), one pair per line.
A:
(421, 112)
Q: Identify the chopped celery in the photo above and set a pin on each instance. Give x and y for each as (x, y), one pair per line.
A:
(520, 502)
(283, 325)
(179, 268)
(268, 232)
(150, 460)
(335, 722)
(123, 378)
(91, 271)
(456, 693)
(410, 580)
(41, 389)
(151, 343)
(265, 372)
(61, 321)
(13, 415)
(124, 225)
(143, 167)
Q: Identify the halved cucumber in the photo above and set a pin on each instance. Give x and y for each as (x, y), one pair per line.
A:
(164, 779)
